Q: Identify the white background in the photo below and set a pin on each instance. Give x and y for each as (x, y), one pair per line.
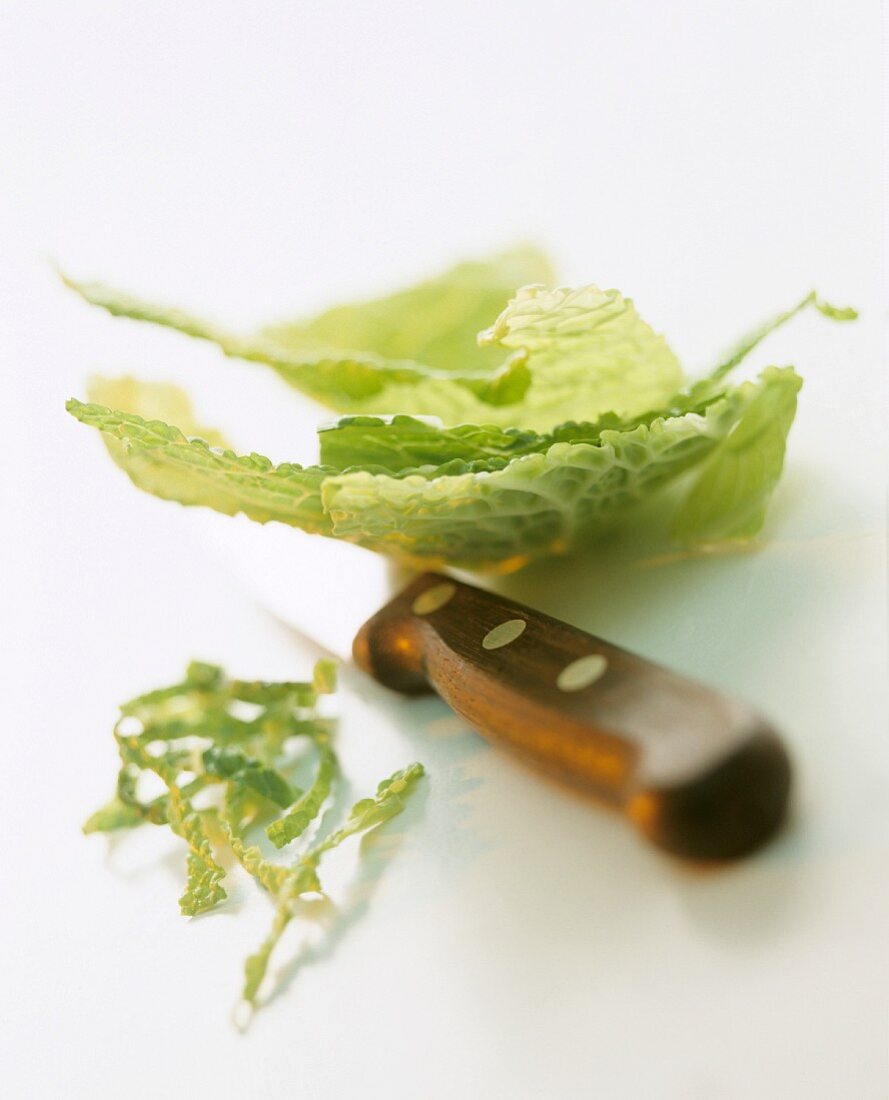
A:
(248, 161)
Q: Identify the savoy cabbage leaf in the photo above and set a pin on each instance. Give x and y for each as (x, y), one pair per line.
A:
(476, 513)
(478, 462)
(583, 351)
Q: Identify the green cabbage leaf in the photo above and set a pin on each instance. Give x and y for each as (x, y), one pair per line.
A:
(477, 451)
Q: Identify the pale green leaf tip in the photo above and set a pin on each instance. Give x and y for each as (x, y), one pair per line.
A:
(324, 676)
(243, 1014)
(836, 313)
(56, 268)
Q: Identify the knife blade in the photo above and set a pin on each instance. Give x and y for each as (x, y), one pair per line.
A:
(699, 773)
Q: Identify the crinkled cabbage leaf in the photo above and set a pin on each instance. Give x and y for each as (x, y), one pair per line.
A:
(477, 449)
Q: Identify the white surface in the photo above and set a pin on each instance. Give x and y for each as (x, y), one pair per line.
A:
(713, 160)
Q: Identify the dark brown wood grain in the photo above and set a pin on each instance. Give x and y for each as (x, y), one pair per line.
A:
(701, 774)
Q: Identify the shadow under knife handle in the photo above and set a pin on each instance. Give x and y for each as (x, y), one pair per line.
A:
(702, 775)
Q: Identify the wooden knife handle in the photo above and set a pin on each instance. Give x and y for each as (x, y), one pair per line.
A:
(701, 774)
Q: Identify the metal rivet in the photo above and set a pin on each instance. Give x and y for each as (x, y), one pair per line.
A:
(582, 672)
(503, 634)
(433, 598)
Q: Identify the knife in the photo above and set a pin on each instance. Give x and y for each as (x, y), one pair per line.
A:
(699, 773)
